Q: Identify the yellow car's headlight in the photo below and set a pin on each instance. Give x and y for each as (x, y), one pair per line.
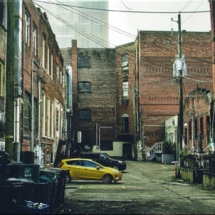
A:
(115, 170)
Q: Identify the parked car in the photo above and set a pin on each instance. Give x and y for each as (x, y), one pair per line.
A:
(105, 160)
(87, 169)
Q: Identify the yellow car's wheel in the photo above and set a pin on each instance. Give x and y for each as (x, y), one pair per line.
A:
(68, 178)
(107, 179)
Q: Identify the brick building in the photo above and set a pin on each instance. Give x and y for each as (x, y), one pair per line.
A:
(198, 117)
(94, 95)
(44, 89)
(35, 103)
(150, 79)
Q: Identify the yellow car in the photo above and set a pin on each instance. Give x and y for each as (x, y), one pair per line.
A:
(87, 169)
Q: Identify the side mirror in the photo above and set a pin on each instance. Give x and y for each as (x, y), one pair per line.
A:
(98, 167)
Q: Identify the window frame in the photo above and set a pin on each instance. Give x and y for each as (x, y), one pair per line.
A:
(125, 123)
(27, 28)
(85, 117)
(85, 89)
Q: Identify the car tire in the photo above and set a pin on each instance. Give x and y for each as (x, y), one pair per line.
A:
(107, 179)
(68, 178)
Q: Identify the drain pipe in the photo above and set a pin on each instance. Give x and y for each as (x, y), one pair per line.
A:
(32, 103)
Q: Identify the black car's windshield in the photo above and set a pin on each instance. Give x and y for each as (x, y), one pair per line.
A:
(106, 155)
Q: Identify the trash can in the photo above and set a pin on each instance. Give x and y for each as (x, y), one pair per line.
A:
(61, 184)
(27, 171)
(10, 198)
(50, 176)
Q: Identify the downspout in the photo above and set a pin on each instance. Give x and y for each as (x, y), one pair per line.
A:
(32, 107)
(32, 103)
(17, 77)
(70, 139)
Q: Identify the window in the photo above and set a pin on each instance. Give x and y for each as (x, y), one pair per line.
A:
(124, 58)
(44, 114)
(196, 128)
(84, 62)
(89, 164)
(1, 80)
(48, 55)
(125, 123)
(43, 51)
(35, 114)
(27, 111)
(201, 125)
(3, 13)
(52, 66)
(48, 114)
(35, 40)
(84, 114)
(124, 62)
(58, 72)
(125, 89)
(57, 120)
(84, 87)
(52, 118)
(27, 28)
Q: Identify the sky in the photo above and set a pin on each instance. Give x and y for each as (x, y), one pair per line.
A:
(132, 22)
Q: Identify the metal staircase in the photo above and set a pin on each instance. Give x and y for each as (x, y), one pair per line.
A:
(154, 150)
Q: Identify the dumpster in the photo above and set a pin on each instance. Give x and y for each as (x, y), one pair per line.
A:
(61, 184)
(50, 176)
(10, 198)
(27, 171)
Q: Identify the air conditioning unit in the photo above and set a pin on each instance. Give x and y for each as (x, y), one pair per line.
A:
(79, 136)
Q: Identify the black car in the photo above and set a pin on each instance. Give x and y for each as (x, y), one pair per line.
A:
(104, 159)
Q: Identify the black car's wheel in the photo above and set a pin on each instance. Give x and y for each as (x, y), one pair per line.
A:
(68, 178)
(107, 179)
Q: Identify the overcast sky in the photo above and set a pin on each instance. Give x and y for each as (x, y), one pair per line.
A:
(131, 21)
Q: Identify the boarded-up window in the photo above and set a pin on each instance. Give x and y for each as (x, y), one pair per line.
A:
(84, 114)
(84, 87)
(84, 62)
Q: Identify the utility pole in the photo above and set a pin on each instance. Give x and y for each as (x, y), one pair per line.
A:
(180, 71)
(181, 121)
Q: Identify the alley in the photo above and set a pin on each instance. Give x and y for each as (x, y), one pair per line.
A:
(146, 188)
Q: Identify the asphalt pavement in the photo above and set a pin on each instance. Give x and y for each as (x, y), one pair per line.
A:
(146, 188)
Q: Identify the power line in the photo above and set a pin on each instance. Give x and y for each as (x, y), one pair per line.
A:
(99, 21)
(125, 11)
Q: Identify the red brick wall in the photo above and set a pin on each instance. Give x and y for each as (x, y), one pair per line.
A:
(159, 91)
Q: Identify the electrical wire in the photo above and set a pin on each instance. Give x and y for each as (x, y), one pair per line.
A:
(125, 11)
(98, 21)
(65, 22)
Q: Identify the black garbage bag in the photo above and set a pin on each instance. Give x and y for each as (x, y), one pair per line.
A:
(5, 158)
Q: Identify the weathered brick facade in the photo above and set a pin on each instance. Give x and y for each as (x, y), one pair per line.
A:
(96, 69)
(198, 117)
(159, 91)
(49, 98)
